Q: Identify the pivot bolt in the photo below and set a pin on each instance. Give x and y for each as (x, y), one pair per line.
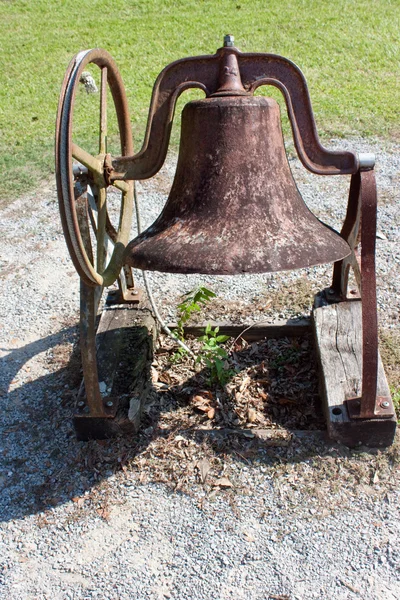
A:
(229, 41)
(385, 404)
(109, 403)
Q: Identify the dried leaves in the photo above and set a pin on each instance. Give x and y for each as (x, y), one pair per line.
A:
(204, 403)
(204, 467)
(223, 482)
(274, 386)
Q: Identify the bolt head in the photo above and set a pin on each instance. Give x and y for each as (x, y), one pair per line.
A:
(385, 404)
(81, 403)
(229, 41)
(109, 403)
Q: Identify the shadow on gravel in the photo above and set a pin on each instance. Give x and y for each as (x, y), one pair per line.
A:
(43, 465)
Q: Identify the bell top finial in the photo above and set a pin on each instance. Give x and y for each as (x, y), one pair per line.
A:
(229, 41)
(230, 82)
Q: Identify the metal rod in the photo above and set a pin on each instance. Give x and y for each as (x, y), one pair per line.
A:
(103, 112)
(91, 162)
(368, 294)
(88, 312)
(101, 229)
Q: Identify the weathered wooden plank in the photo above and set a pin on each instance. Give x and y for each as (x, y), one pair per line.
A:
(338, 334)
(252, 332)
(125, 342)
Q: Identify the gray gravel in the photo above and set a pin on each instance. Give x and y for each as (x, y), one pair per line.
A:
(71, 531)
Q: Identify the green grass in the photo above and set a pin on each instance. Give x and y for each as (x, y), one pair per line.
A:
(348, 51)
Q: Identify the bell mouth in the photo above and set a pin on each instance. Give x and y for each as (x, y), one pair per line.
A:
(180, 249)
(234, 206)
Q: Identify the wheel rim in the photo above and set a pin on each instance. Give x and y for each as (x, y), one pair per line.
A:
(74, 216)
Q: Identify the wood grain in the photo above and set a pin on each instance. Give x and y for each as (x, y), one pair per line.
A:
(338, 334)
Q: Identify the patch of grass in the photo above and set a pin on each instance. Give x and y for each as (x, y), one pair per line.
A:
(348, 52)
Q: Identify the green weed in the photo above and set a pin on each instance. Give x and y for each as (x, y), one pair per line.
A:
(211, 353)
(214, 356)
(192, 303)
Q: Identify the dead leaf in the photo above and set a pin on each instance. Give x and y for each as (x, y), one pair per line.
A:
(201, 403)
(104, 513)
(204, 467)
(244, 383)
(284, 401)
(154, 375)
(223, 482)
(354, 589)
(79, 501)
(248, 536)
(199, 399)
(376, 477)
(251, 415)
(211, 413)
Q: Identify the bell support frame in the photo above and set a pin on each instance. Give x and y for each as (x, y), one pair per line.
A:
(228, 72)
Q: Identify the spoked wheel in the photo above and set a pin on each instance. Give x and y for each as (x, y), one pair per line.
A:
(95, 245)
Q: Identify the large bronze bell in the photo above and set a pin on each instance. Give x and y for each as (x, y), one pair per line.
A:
(234, 206)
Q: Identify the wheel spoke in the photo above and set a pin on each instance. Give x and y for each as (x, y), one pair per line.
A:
(101, 229)
(103, 112)
(89, 161)
(81, 203)
(123, 186)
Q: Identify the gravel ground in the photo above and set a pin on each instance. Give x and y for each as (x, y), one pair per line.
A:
(82, 521)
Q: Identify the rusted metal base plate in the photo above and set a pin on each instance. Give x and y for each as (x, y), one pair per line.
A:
(384, 408)
(125, 342)
(338, 334)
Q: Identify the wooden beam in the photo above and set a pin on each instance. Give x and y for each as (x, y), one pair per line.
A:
(252, 332)
(125, 341)
(338, 335)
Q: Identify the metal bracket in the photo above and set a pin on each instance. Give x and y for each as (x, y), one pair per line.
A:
(110, 409)
(384, 408)
(129, 296)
